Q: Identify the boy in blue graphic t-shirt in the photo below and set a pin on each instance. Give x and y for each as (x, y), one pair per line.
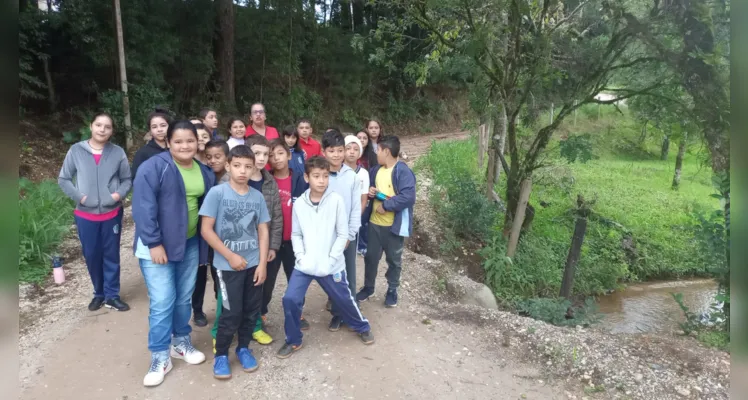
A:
(235, 224)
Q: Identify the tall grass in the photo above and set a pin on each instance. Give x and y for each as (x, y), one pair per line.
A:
(45, 219)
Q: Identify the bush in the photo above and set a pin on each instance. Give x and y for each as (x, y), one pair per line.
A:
(45, 219)
(457, 199)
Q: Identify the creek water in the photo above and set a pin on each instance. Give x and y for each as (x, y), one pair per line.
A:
(650, 307)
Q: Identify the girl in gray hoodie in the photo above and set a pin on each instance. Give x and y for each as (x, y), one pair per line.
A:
(96, 175)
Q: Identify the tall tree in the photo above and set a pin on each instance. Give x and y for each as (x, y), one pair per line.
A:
(226, 53)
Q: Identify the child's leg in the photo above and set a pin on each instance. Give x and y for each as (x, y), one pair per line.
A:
(90, 237)
(111, 232)
(232, 285)
(337, 288)
(288, 258)
(363, 233)
(293, 303)
(350, 271)
(373, 255)
(219, 308)
(267, 287)
(184, 278)
(201, 281)
(393, 250)
(252, 300)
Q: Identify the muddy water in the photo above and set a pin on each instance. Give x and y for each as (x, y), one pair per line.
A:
(649, 307)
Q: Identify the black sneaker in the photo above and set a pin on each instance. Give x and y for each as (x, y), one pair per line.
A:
(304, 324)
(200, 318)
(364, 294)
(367, 337)
(287, 350)
(390, 300)
(117, 304)
(95, 304)
(335, 324)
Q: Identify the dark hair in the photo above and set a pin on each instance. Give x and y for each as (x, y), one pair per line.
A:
(332, 128)
(241, 151)
(381, 130)
(279, 143)
(182, 124)
(332, 138)
(290, 130)
(303, 120)
(204, 112)
(256, 140)
(256, 104)
(369, 155)
(231, 122)
(159, 112)
(391, 143)
(200, 126)
(221, 144)
(103, 114)
(318, 162)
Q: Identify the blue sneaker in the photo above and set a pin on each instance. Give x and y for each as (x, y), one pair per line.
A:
(248, 361)
(221, 369)
(364, 294)
(390, 301)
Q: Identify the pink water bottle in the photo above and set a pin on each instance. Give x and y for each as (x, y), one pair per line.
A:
(57, 270)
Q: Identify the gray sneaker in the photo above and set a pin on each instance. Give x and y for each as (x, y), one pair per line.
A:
(367, 337)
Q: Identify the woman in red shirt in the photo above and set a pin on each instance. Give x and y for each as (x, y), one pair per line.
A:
(257, 118)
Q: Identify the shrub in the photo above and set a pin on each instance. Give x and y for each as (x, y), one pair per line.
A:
(45, 218)
(560, 312)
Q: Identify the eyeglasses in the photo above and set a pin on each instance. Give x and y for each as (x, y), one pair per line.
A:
(258, 112)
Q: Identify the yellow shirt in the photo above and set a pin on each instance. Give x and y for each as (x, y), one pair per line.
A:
(383, 182)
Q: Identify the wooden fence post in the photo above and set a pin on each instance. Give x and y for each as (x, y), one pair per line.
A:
(519, 217)
(482, 133)
(580, 228)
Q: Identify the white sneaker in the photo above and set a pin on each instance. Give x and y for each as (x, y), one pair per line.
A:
(159, 369)
(185, 351)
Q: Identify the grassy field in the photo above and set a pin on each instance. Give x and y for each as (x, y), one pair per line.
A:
(641, 228)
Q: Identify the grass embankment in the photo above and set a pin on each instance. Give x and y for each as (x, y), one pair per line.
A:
(45, 218)
(640, 229)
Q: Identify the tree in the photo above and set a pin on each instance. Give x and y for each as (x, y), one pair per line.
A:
(532, 54)
(225, 59)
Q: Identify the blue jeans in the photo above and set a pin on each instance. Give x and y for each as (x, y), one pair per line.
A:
(170, 288)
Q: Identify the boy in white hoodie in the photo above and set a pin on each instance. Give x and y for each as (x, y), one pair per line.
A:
(319, 236)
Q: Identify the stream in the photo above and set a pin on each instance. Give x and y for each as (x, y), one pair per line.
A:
(649, 307)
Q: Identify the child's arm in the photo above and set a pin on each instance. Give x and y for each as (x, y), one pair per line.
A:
(341, 230)
(364, 192)
(125, 177)
(145, 207)
(236, 261)
(297, 239)
(354, 214)
(406, 193)
(261, 271)
(65, 180)
(208, 214)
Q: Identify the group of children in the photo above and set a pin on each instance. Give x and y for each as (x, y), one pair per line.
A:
(279, 201)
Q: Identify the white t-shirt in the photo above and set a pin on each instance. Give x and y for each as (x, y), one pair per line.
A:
(233, 142)
(363, 180)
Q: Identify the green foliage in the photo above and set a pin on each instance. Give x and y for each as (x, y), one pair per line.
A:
(71, 137)
(463, 214)
(560, 312)
(143, 98)
(45, 219)
(577, 148)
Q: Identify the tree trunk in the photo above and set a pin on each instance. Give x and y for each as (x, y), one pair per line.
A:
(123, 74)
(580, 228)
(358, 15)
(345, 15)
(51, 98)
(665, 148)
(643, 137)
(519, 217)
(226, 53)
(679, 160)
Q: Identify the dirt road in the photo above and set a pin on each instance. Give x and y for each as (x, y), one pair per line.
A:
(68, 352)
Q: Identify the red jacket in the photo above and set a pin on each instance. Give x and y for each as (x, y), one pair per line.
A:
(311, 148)
(270, 132)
